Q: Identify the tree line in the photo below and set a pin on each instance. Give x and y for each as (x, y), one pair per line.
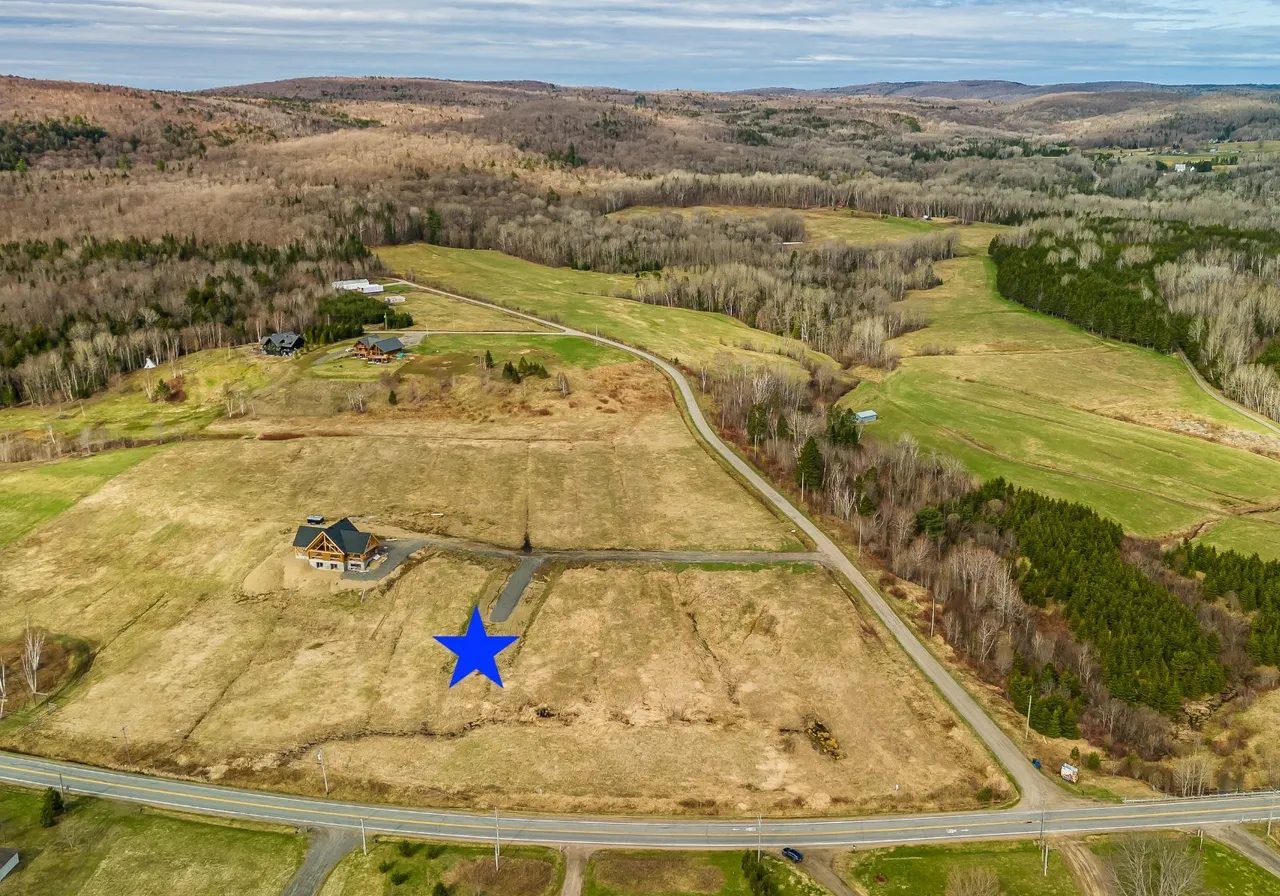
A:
(1247, 584)
(1209, 292)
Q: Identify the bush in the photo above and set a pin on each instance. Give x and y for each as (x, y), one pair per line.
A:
(435, 850)
(408, 849)
(440, 890)
(399, 877)
(386, 865)
(1093, 762)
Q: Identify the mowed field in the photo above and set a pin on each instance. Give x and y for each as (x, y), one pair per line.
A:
(593, 302)
(1020, 395)
(431, 311)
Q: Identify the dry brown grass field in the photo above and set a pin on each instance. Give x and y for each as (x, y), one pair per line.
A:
(222, 656)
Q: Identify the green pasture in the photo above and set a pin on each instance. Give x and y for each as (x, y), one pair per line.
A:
(124, 410)
(33, 494)
(1254, 534)
(417, 869)
(672, 873)
(98, 848)
(594, 303)
(550, 351)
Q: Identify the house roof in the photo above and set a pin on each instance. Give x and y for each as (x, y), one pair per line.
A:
(287, 339)
(343, 533)
(389, 345)
(7, 854)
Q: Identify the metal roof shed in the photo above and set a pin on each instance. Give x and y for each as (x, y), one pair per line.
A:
(865, 416)
(8, 861)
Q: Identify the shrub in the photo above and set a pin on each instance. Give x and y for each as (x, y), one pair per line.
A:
(435, 850)
(51, 807)
(1093, 762)
(386, 865)
(399, 877)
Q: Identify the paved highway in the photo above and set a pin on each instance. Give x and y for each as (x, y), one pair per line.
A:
(185, 796)
(1032, 785)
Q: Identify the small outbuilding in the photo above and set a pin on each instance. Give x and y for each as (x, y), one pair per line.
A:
(285, 343)
(339, 546)
(340, 285)
(865, 416)
(8, 861)
(373, 289)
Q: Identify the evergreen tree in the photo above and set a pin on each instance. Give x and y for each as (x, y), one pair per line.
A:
(810, 466)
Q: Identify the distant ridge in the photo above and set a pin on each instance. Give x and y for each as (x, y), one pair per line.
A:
(1003, 91)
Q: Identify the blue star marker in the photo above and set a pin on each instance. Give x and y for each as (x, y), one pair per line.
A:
(477, 650)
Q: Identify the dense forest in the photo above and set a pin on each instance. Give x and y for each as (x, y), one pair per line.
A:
(1210, 292)
(1245, 584)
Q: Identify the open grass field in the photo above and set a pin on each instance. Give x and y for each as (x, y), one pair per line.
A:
(221, 663)
(436, 312)
(841, 225)
(671, 873)
(416, 868)
(1255, 534)
(1050, 407)
(32, 494)
(99, 848)
(591, 302)
(124, 409)
(1228, 873)
(912, 870)
(551, 351)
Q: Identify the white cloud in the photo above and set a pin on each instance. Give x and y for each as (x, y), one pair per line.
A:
(643, 43)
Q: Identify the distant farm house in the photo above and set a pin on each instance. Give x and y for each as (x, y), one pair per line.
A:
(285, 343)
(339, 546)
(375, 349)
(362, 285)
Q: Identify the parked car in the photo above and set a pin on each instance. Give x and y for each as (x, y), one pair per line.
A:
(794, 855)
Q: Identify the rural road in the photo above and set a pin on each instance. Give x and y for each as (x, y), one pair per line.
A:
(307, 812)
(1227, 402)
(1032, 785)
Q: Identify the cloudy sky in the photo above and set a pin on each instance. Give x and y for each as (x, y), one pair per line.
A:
(714, 44)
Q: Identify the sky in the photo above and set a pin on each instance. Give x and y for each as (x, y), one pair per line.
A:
(643, 44)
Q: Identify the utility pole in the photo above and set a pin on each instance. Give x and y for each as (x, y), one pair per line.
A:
(1271, 811)
(364, 845)
(1026, 734)
(760, 837)
(62, 785)
(323, 770)
(496, 838)
(125, 731)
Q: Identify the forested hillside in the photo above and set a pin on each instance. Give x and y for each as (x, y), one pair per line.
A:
(1210, 292)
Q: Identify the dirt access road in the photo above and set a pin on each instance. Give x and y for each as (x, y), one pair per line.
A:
(1033, 787)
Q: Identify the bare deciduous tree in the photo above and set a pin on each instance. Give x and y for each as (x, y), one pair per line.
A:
(32, 645)
(1156, 866)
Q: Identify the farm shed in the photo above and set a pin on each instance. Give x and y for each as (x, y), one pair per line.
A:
(865, 416)
(372, 289)
(339, 546)
(339, 285)
(8, 861)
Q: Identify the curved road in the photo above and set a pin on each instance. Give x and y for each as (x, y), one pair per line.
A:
(1227, 402)
(1032, 785)
(205, 799)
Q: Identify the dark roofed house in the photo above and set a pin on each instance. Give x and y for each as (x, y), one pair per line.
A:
(376, 349)
(8, 861)
(338, 546)
(285, 343)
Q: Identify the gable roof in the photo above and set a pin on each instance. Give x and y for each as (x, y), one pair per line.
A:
(389, 345)
(343, 533)
(286, 340)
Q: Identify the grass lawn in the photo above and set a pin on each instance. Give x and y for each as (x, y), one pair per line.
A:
(100, 848)
(1228, 873)
(550, 351)
(588, 301)
(123, 410)
(663, 873)
(912, 870)
(416, 868)
(31, 495)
